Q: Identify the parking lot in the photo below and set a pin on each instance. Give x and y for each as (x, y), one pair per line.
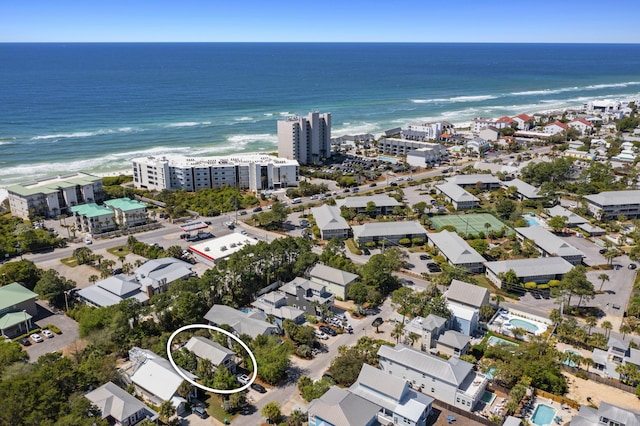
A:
(57, 343)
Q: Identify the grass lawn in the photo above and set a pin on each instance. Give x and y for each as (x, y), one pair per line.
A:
(483, 281)
(71, 262)
(215, 408)
(119, 251)
(352, 247)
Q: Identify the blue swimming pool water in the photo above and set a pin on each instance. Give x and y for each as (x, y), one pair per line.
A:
(543, 415)
(524, 324)
(531, 221)
(388, 159)
(493, 340)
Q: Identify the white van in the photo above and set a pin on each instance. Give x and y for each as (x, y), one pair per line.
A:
(296, 201)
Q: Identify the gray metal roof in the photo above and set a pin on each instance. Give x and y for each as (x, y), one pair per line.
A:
(456, 193)
(361, 202)
(238, 321)
(208, 349)
(390, 229)
(328, 218)
(572, 218)
(531, 267)
(467, 294)
(454, 339)
(333, 275)
(524, 189)
(382, 382)
(485, 178)
(343, 408)
(548, 242)
(619, 415)
(453, 371)
(114, 402)
(615, 198)
(155, 271)
(454, 248)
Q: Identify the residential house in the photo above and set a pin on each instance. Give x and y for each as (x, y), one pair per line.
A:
(477, 145)
(524, 121)
(330, 223)
(274, 305)
(555, 127)
(525, 191)
(389, 233)
(573, 220)
(311, 297)
(93, 218)
(452, 381)
(540, 270)
(155, 379)
(17, 308)
(611, 204)
(482, 181)
(384, 204)
(51, 197)
(457, 251)
(580, 155)
(119, 407)
(550, 245)
(453, 343)
(399, 404)
(114, 290)
(160, 273)
(606, 414)
(618, 353)
(336, 281)
(340, 407)
(457, 196)
(480, 123)
(217, 354)
(583, 125)
(127, 212)
(428, 329)
(240, 322)
(464, 301)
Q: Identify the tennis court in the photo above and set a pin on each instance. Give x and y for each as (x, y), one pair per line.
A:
(470, 223)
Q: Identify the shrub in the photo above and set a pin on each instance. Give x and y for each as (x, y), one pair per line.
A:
(543, 286)
(554, 283)
(530, 285)
(370, 244)
(582, 374)
(417, 241)
(405, 242)
(53, 328)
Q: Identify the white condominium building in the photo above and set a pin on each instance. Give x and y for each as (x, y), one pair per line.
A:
(305, 139)
(53, 196)
(254, 172)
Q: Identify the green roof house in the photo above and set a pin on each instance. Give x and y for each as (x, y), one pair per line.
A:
(17, 307)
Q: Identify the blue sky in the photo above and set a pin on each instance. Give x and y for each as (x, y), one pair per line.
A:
(550, 21)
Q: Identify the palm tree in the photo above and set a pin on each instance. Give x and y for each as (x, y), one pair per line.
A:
(498, 298)
(624, 329)
(591, 322)
(397, 332)
(607, 327)
(588, 362)
(166, 411)
(487, 226)
(603, 277)
(93, 279)
(412, 338)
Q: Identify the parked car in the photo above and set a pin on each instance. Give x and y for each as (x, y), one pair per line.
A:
(425, 257)
(393, 184)
(36, 338)
(258, 388)
(373, 184)
(88, 241)
(199, 411)
(328, 330)
(25, 342)
(243, 379)
(242, 213)
(47, 333)
(320, 335)
(602, 251)
(377, 322)
(632, 266)
(433, 267)
(257, 209)
(366, 251)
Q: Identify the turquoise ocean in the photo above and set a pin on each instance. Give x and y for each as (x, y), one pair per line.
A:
(94, 107)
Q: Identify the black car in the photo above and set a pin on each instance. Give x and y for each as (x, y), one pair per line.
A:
(632, 266)
(377, 322)
(347, 190)
(433, 267)
(366, 251)
(199, 411)
(258, 388)
(393, 184)
(373, 184)
(257, 209)
(328, 330)
(25, 342)
(425, 257)
(602, 251)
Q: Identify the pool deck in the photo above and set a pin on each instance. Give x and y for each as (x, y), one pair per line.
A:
(563, 411)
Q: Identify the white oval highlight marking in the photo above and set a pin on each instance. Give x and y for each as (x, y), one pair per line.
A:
(225, 332)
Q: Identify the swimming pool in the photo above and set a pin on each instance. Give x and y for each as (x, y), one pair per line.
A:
(543, 415)
(488, 397)
(524, 324)
(388, 159)
(494, 340)
(531, 221)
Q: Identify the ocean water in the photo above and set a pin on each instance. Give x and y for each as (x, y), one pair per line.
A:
(94, 107)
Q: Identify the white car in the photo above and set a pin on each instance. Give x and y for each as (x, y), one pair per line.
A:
(243, 379)
(47, 333)
(88, 240)
(321, 335)
(36, 338)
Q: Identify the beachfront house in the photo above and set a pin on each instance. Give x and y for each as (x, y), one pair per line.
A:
(451, 381)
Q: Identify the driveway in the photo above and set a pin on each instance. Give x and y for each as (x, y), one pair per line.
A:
(57, 343)
(591, 250)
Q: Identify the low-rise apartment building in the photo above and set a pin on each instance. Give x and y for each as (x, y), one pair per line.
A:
(611, 204)
(330, 223)
(253, 172)
(460, 198)
(550, 245)
(395, 146)
(482, 181)
(540, 270)
(388, 232)
(457, 251)
(383, 204)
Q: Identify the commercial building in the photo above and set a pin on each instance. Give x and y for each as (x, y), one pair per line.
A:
(211, 251)
(330, 223)
(550, 245)
(252, 171)
(456, 250)
(51, 197)
(451, 381)
(388, 232)
(306, 140)
(611, 204)
(539, 270)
